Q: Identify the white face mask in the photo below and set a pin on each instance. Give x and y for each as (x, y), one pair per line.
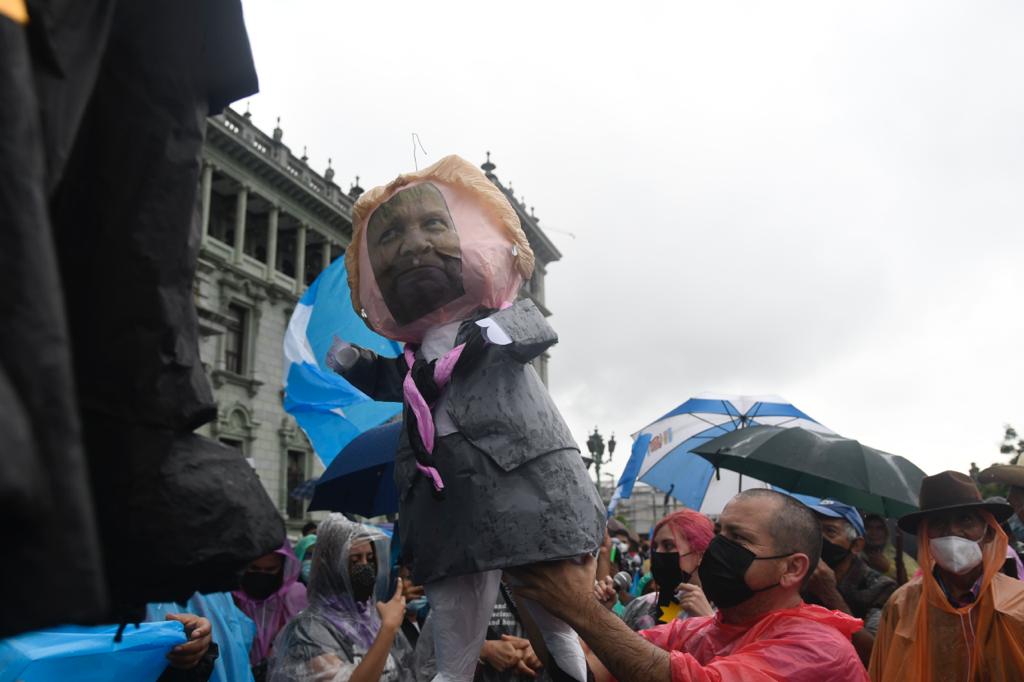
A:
(955, 554)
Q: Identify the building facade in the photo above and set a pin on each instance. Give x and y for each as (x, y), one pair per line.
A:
(270, 225)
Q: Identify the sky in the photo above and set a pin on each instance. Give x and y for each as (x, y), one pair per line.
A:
(820, 200)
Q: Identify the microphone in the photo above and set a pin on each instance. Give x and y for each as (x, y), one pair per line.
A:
(623, 581)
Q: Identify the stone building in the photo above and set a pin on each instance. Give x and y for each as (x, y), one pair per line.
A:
(270, 225)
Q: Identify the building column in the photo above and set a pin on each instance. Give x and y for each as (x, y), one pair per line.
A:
(300, 259)
(240, 209)
(325, 254)
(272, 218)
(206, 188)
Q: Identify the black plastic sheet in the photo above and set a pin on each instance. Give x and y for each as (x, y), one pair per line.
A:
(104, 117)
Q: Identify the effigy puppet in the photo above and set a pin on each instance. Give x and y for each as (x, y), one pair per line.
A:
(488, 474)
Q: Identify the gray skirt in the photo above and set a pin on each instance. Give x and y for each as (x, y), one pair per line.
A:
(543, 510)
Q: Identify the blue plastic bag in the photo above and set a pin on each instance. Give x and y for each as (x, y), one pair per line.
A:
(89, 654)
(233, 631)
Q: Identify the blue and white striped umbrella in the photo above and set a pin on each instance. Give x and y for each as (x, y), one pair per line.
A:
(327, 407)
(662, 458)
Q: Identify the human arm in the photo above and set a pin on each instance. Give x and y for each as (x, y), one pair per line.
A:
(693, 601)
(391, 614)
(566, 590)
(800, 653)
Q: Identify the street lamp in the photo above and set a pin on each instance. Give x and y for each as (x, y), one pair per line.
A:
(595, 444)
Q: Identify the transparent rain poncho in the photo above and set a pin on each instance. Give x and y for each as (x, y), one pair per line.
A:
(327, 641)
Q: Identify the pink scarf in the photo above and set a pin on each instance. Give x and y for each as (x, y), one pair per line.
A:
(443, 368)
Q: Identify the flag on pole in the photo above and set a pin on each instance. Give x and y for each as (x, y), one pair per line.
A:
(628, 478)
(329, 409)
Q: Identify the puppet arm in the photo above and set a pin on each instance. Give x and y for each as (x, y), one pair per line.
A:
(520, 330)
(378, 377)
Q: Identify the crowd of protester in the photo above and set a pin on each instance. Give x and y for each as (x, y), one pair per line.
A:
(772, 589)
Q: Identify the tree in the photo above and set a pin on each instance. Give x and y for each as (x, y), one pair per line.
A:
(1012, 445)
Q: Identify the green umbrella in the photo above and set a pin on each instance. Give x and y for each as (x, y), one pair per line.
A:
(824, 465)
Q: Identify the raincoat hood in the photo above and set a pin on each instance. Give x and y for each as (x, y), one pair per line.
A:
(330, 584)
(271, 614)
(495, 254)
(921, 631)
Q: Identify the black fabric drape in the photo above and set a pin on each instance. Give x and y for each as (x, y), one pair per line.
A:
(104, 117)
(50, 538)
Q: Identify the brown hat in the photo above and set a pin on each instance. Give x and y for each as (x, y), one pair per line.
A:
(951, 490)
(1010, 474)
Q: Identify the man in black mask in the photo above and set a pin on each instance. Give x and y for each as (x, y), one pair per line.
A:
(843, 580)
(753, 571)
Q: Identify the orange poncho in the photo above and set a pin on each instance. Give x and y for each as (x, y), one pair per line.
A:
(923, 638)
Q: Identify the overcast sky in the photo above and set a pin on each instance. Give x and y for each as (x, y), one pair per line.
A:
(821, 200)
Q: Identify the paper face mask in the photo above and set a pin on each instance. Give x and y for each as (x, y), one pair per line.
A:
(414, 252)
(432, 247)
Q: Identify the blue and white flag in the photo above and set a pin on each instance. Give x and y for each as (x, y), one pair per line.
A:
(668, 464)
(327, 407)
(628, 478)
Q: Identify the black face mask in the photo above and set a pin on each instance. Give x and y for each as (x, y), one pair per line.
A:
(832, 554)
(260, 585)
(723, 572)
(668, 575)
(364, 578)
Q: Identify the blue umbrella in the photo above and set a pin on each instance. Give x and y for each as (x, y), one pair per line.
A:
(328, 408)
(304, 490)
(361, 479)
(663, 457)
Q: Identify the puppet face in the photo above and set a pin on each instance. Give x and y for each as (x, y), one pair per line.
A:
(414, 252)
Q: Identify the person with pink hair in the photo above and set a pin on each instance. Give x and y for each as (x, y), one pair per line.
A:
(678, 544)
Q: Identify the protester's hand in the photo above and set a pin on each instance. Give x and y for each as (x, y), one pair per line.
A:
(528, 664)
(823, 586)
(565, 588)
(604, 556)
(410, 591)
(822, 581)
(604, 591)
(392, 612)
(531, 659)
(198, 629)
(693, 601)
(500, 654)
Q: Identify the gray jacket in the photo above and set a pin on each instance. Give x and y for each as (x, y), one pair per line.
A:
(500, 406)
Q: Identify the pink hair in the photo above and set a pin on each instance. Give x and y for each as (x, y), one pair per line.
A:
(696, 528)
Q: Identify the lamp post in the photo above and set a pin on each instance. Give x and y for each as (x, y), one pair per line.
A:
(595, 444)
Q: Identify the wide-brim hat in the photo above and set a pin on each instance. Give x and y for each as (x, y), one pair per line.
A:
(1010, 474)
(950, 490)
(615, 526)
